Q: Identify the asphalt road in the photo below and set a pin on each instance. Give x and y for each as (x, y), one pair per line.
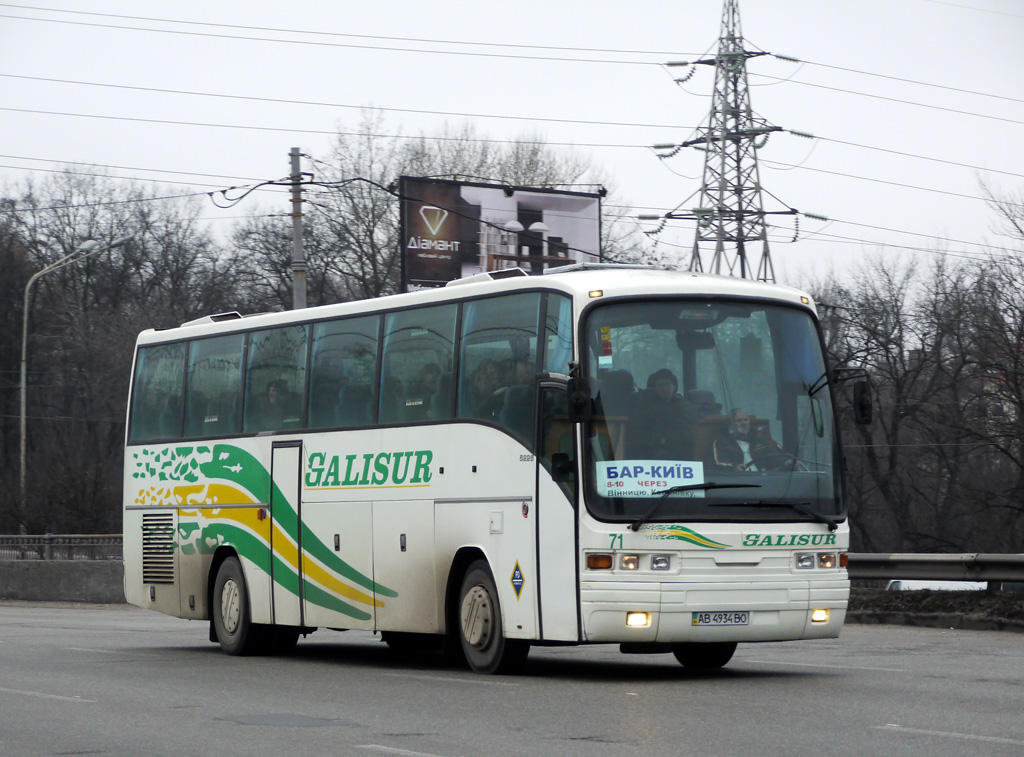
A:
(115, 680)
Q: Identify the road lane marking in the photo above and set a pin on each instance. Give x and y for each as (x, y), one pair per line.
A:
(818, 665)
(451, 680)
(47, 696)
(892, 727)
(393, 750)
(89, 649)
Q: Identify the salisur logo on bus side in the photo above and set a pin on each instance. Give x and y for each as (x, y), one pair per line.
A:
(403, 468)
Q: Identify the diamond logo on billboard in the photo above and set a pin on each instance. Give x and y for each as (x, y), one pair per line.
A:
(433, 217)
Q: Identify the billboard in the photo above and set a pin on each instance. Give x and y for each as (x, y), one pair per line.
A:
(452, 229)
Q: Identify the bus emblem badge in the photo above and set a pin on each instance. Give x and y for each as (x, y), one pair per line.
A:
(517, 580)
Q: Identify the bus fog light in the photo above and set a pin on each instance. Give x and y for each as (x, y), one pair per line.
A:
(661, 562)
(819, 616)
(826, 561)
(599, 562)
(805, 561)
(629, 562)
(638, 619)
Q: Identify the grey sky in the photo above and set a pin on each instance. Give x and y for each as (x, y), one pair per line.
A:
(964, 44)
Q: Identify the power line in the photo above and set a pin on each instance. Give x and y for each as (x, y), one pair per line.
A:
(883, 181)
(474, 43)
(334, 44)
(351, 36)
(919, 157)
(126, 168)
(839, 239)
(635, 207)
(319, 131)
(284, 101)
(101, 203)
(975, 8)
(483, 140)
(906, 81)
(892, 99)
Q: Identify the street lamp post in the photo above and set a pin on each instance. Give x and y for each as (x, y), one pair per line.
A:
(85, 249)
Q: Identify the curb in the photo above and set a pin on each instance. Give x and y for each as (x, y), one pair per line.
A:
(935, 620)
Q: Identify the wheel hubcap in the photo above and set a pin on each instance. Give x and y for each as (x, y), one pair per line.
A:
(230, 605)
(477, 617)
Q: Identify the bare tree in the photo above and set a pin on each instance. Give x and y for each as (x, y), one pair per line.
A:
(84, 319)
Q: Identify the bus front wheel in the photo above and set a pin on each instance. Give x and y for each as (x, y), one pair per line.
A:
(704, 656)
(480, 627)
(232, 622)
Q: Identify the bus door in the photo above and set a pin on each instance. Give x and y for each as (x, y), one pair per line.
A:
(285, 538)
(556, 519)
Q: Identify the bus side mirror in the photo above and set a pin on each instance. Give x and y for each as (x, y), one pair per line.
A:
(581, 403)
(863, 410)
(562, 467)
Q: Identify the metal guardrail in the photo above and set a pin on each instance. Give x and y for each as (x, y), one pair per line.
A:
(863, 565)
(62, 547)
(968, 567)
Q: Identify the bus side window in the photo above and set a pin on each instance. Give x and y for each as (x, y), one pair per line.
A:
(499, 360)
(342, 372)
(418, 352)
(156, 393)
(275, 378)
(214, 386)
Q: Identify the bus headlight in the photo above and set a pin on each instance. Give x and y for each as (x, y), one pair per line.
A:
(661, 562)
(826, 560)
(629, 562)
(819, 616)
(805, 561)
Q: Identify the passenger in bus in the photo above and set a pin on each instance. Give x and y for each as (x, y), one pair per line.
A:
(270, 411)
(420, 393)
(656, 429)
(744, 449)
(482, 396)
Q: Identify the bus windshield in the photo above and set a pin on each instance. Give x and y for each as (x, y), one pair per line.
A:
(709, 410)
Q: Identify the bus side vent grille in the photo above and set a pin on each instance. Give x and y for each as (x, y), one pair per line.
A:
(158, 548)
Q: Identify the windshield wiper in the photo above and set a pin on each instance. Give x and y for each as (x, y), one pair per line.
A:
(800, 507)
(663, 495)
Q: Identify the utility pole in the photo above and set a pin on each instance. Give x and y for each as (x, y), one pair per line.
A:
(730, 213)
(298, 253)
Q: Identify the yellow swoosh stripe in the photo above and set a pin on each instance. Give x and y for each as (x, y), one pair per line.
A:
(287, 551)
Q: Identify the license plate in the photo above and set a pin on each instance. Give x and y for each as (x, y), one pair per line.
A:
(721, 618)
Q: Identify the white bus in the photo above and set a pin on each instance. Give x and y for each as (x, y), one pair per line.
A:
(597, 455)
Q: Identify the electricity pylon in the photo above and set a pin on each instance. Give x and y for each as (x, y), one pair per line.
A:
(730, 212)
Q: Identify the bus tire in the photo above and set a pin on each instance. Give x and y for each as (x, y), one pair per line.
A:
(704, 656)
(480, 625)
(232, 622)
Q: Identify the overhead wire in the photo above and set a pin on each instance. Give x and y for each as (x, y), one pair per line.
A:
(520, 46)
(899, 100)
(314, 43)
(348, 35)
(460, 138)
(286, 101)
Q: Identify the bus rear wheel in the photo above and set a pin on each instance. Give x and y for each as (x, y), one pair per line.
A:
(232, 622)
(480, 626)
(704, 656)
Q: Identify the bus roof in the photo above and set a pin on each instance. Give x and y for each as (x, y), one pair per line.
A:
(577, 281)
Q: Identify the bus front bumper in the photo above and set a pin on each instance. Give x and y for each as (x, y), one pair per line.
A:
(643, 612)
